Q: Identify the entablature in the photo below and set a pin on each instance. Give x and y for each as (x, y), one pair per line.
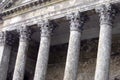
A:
(26, 4)
(53, 11)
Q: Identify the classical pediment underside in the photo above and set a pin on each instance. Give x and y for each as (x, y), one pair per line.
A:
(9, 4)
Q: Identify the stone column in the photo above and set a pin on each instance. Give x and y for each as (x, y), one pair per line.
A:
(22, 54)
(76, 25)
(104, 47)
(43, 54)
(5, 50)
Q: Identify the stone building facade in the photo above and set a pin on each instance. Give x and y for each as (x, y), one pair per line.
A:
(59, 40)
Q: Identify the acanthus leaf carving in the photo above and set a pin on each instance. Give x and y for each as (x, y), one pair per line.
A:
(106, 13)
(24, 33)
(77, 21)
(46, 27)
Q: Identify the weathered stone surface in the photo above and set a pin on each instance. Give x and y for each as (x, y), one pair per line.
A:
(57, 10)
(43, 54)
(104, 47)
(87, 62)
(86, 69)
(42, 61)
(21, 55)
(76, 24)
(5, 51)
(72, 56)
(20, 61)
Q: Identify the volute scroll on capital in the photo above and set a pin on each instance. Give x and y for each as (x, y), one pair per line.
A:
(77, 21)
(24, 32)
(106, 13)
(46, 27)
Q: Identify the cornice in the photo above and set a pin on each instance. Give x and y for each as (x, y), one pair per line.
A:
(3, 4)
(32, 5)
(57, 14)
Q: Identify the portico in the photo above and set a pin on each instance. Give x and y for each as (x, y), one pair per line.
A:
(71, 30)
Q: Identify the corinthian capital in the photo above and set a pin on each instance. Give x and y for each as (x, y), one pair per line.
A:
(106, 13)
(76, 21)
(46, 27)
(24, 33)
(2, 37)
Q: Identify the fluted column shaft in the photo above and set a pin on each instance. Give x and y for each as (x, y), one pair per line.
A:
(43, 54)
(105, 40)
(76, 24)
(22, 54)
(5, 50)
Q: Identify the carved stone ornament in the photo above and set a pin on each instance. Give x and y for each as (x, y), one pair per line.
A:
(77, 21)
(46, 27)
(106, 13)
(2, 37)
(24, 33)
